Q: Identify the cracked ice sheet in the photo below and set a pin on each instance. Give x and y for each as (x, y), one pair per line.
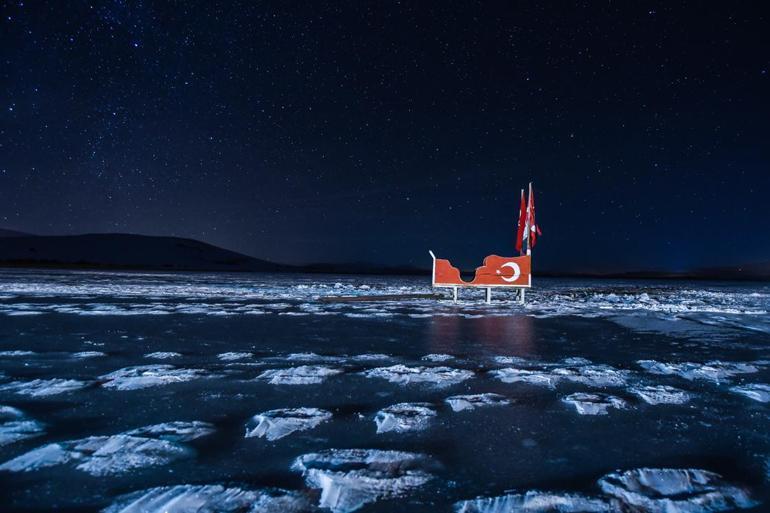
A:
(144, 376)
(756, 391)
(403, 375)
(715, 371)
(276, 424)
(351, 478)
(116, 454)
(667, 490)
(535, 502)
(473, 401)
(44, 387)
(302, 375)
(209, 499)
(594, 404)
(404, 417)
(16, 426)
(660, 394)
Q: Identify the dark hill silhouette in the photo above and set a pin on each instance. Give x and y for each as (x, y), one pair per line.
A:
(125, 251)
(13, 233)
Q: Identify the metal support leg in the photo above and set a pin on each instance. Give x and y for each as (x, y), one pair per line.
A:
(522, 296)
(455, 294)
(489, 294)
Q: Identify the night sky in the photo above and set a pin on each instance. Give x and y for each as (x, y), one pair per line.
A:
(374, 131)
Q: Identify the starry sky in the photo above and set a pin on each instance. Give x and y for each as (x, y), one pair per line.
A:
(374, 131)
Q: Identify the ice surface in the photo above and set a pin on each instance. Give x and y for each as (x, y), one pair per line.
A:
(15, 426)
(403, 375)
(473, 401)
(535, 502)
(404, 417)
(351, 478)
(757, 391)
(43, 387)
(144, 376)
(276, 424)
(209, 499)
(232, 356)
(668, 490)
(715, 371)
(163, 355)
(302, 375)
(660, 394)
(594, 404)
(117, 454)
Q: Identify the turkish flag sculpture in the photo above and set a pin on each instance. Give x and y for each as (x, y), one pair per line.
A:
(498, 271)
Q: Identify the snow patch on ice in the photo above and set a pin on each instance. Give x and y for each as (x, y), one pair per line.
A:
(302, 375)
(163, 355)
(16, 426)
(670, 490)
(473, 401)
(43, 387)
(403, 375)
(117, 454)
(276, 424)
(17, 353)
(351, 478)
(145, 376)
(756, 391)
(209, 499)
(88, 354)
(233, 356)
(660, 394)
(715, 371)
(594, 404)
(437, 357)
(534, 502)
(404, 417)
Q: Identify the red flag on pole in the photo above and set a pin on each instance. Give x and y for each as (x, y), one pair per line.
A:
(534, 229)
(521, 227)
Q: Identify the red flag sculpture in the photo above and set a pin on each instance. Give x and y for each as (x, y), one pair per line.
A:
(497, 271)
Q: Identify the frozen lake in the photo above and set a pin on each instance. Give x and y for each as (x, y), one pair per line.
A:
(150, 392)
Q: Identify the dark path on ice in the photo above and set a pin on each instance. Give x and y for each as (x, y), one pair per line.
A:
(537, 442)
